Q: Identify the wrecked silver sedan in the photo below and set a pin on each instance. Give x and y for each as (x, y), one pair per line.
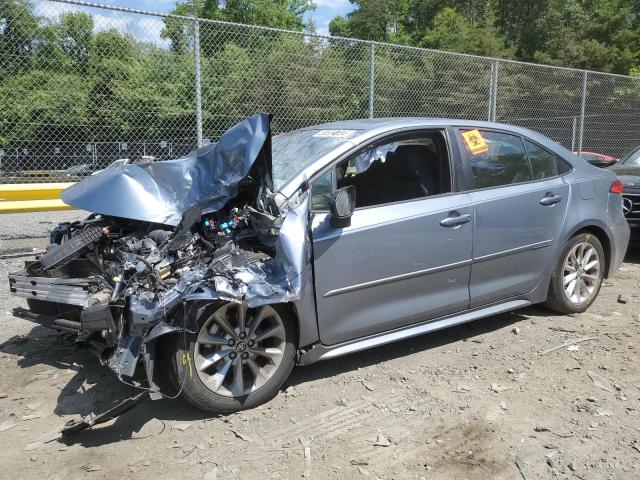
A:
(210, 276)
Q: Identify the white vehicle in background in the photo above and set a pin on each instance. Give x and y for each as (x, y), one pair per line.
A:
(85, 169)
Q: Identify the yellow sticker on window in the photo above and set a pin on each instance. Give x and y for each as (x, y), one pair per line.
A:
(475, 142)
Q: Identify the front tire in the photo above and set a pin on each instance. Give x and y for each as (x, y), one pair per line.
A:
(238, 358)
(578, 276)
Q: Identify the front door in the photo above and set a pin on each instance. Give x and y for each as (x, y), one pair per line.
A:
(406, 257)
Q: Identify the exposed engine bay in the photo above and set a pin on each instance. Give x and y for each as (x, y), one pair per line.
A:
(121, 282)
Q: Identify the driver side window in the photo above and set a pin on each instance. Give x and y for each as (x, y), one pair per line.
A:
(321, 190)
(402, 170)
(405, 169)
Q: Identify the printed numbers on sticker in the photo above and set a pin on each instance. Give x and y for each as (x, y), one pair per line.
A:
(334, 133)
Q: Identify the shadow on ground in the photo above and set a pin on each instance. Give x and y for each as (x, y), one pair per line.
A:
(633, 255)
(95, 388)
(394, 350)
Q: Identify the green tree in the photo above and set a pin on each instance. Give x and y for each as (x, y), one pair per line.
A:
(379, 20)
(288, 14)
(285, 14)
(453, 31)
(488, 39)
(75, 32)
(18, 30)
(339, 27)
(449, 30)
(602, 35)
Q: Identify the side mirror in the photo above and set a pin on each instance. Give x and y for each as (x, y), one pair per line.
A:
(342, 205)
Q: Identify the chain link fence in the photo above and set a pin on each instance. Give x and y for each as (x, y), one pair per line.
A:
(82, 85)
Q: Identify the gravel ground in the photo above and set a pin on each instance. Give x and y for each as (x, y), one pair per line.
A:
(35, 225)
(475, 401)
(20, 232)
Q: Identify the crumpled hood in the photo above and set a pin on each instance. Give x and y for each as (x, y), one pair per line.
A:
(161, 192)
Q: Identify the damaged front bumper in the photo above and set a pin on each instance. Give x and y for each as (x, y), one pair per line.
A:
(70, 291)
(137, 271)
(157, 291)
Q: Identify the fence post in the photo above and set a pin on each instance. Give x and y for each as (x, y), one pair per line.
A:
(582, 108)
(490, 92)
(198, 85)
(372, 74)
(573, 134)
(493, 91)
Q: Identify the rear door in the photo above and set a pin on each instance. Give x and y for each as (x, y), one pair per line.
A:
(520, 203)
(406, 257)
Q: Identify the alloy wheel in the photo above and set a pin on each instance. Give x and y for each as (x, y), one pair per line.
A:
(581, 273)
(239, 349)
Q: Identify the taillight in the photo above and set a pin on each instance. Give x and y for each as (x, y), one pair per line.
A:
(617, 187)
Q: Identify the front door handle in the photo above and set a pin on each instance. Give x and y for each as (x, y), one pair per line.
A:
(549, 200)
(452, 221)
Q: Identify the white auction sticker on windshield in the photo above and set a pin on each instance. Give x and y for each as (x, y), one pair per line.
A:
(334, 133)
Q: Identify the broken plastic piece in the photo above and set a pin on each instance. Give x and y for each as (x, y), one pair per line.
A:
(116, 411)
(58, 255)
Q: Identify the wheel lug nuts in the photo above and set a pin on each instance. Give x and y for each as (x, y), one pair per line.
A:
(242, 335)
(231, 343)
(232, 354)
(245, 355)
(251, 343)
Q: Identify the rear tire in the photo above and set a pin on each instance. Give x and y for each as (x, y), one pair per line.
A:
(578, 275)
(237, 359)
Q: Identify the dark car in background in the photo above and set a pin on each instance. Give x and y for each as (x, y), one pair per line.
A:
(628, 171)
(597, 159)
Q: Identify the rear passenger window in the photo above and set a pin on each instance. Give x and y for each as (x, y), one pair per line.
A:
(543, 163)
(496, 158)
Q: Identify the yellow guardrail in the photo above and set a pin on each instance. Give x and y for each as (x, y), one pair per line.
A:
(32, 197)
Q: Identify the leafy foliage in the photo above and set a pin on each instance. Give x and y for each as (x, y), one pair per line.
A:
(67, 81)
(602, 35)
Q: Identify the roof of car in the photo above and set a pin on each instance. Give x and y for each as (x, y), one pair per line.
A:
(375, 126)
(371, 127)
(402, 122)
(367, 129)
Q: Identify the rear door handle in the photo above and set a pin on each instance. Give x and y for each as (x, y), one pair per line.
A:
(452, 221)
(549, 200)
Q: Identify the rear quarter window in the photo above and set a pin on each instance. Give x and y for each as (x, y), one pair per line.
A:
(563, 166)
(544, 164)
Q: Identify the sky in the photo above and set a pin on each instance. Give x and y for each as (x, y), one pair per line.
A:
(325, 11)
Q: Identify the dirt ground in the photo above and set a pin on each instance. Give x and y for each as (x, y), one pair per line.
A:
(477, 401)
